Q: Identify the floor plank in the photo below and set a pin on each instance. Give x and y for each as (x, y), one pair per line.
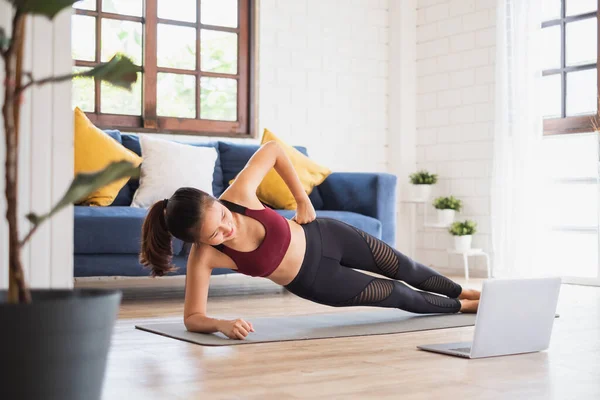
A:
(149, 366)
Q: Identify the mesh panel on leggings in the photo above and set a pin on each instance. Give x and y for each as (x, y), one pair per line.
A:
(439, 301)
(383, 254)
(377, 290)
(440, 284)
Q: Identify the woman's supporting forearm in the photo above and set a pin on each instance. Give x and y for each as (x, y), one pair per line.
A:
(202, 324)
(285, 169)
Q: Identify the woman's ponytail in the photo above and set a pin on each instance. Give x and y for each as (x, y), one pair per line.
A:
(181, 219)
(157, 247)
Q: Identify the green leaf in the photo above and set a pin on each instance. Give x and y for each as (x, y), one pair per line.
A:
(48, 8)
(119, 71)
(85, 183)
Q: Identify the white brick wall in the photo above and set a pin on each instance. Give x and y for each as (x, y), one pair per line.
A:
(455, 89)
(323, 79)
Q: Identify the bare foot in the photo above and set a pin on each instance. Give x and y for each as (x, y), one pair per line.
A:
(469, 294)
(469, 306)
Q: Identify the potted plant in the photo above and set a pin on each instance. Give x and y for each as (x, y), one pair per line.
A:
(53, 343)
(463, 234)
(422, 181)
(447, 207)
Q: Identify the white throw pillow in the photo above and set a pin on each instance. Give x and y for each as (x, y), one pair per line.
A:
(168, 165)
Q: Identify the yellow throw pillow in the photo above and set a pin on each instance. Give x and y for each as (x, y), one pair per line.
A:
(273, 190)
(94, 150)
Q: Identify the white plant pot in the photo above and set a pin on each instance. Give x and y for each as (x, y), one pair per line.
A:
(446, 217)
(421, 192)
(463, 243)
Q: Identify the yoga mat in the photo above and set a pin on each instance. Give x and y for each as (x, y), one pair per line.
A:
(319, 326)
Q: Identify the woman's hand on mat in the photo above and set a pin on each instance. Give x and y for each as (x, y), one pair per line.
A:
(237, 329)
(305, 212)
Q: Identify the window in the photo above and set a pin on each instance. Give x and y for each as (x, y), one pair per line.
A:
(570, 145)
(570, 57)
(570, 205)
(195, 58)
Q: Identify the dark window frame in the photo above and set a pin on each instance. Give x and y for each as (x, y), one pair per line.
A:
(580, 123)
(149, 122)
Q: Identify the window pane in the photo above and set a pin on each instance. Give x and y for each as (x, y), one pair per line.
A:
(551, 96)
(574, 7)
(570, 156)
(116, 100)
(83, 37)
(86, 5)
(551, 47)
(126, 7)
(550, 9)
(122, 36)
(219, 51)
(582, 42)
(83, 91)
(176, 46)
(581, 92)
(570, 253)
(219, 12)
(185, 10)
(218, 99)
(571, 205)
(176, 95)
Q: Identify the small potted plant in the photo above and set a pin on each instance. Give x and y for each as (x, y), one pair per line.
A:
(463, 234)
(447, 207)
(422, 181)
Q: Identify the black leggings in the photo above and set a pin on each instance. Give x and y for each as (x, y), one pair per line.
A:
(335, 249)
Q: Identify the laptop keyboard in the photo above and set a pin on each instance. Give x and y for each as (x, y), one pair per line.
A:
(463, 349)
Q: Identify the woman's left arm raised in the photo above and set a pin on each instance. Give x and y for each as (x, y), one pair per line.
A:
(271, 155)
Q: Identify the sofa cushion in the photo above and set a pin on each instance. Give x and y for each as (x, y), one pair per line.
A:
(218, 187)
(169, 166)
(115, 230)
(125, 195)
(274, 191)
(235, 156)
(114, 133)
(132, 142)
(94, 150)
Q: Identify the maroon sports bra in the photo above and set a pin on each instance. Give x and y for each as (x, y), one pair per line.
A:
(265, 259)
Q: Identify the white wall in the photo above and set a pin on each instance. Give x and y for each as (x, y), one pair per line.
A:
(402, 110)
(323, 78)
(455, 106)
(46, 155)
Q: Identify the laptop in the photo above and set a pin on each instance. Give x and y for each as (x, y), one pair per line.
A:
(514, 316)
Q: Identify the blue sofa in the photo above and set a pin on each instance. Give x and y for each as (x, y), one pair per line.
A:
(107, 239)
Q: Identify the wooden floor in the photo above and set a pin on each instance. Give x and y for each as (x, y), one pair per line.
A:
(147, 366)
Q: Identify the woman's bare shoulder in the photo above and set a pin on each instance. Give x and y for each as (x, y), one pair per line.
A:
(206, 255)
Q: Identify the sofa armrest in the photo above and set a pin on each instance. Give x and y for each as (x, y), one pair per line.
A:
(367, 193)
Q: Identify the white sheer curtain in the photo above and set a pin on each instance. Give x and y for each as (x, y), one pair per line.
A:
(517, 178)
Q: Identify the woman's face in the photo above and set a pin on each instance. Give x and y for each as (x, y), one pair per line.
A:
(218, 225)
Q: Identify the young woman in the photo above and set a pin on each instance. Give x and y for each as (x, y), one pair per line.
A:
(314, 258)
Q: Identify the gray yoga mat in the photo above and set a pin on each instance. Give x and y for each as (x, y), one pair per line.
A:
(319, 326)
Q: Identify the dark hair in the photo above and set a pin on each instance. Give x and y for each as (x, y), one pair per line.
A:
(178, 216)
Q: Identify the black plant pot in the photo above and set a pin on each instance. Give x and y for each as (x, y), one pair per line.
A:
(56, 347)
